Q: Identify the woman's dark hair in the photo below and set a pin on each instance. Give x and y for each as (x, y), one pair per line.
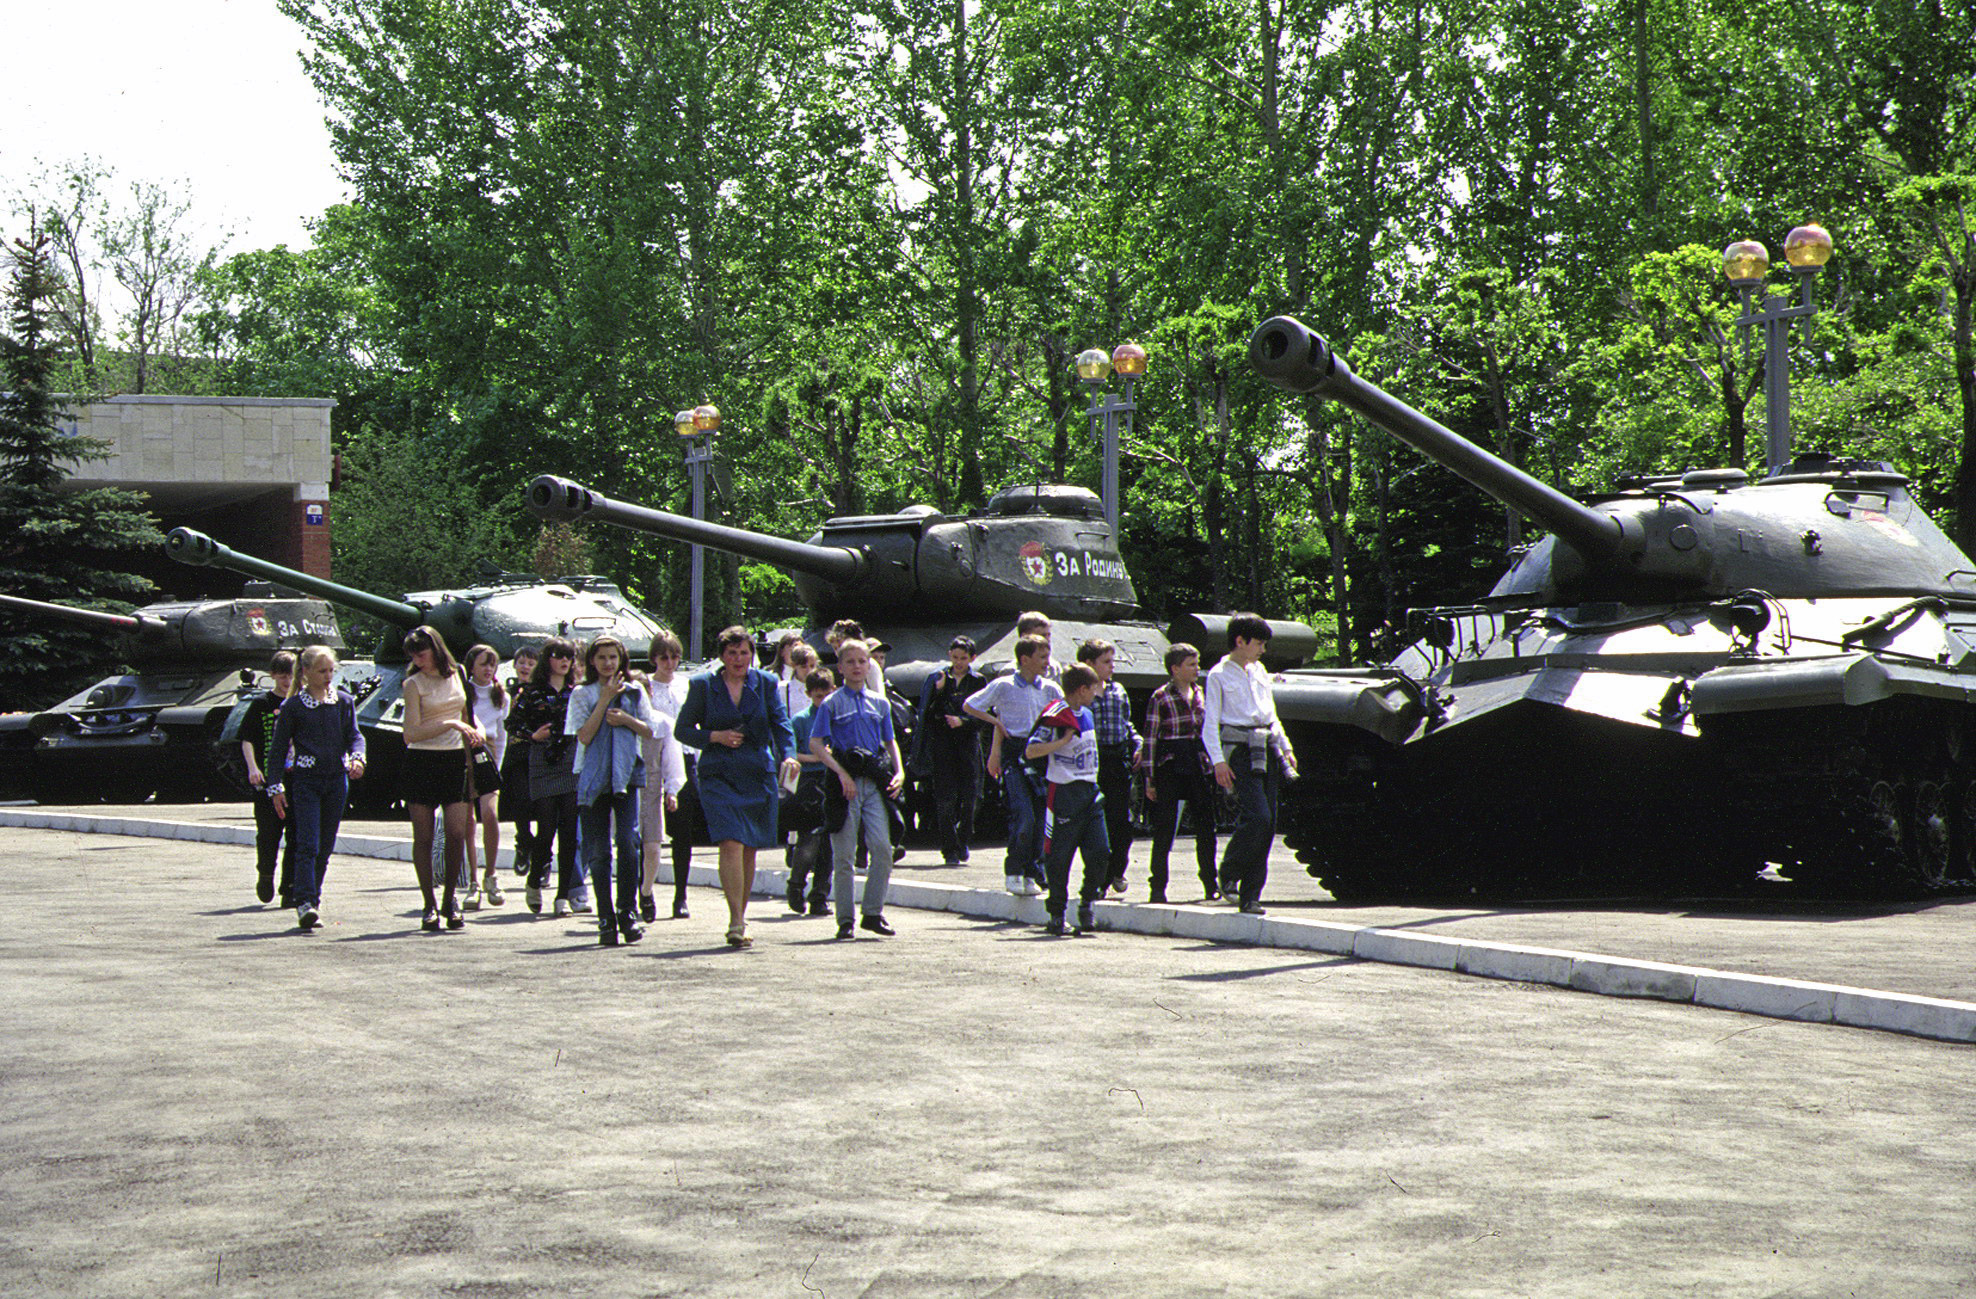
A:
(554, 647)
(736, 635)
(590, 657)
(494, 692)
(425, 636)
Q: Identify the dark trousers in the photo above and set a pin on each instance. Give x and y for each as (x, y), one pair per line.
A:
(612, 821)
(1175, 783)
(809, 859)
(687, 827)
(1115, 783)
(555, 825)
(1245, 864)
(317, 801)
(514, 796)
(1074, 819)
(275, 835)
(956, 790)
(1023, 790)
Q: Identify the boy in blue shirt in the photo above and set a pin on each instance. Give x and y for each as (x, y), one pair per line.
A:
(809, 856)
(1074, 811)
(852, 735)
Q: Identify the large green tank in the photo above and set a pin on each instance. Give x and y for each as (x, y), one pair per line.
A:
(918, 578)
(507, 613)
(153, 732)
(1691, 677)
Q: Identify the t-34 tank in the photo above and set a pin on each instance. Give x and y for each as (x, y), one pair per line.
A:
(507, 612)
(919, 578)
(151, 732)
(1690, 677)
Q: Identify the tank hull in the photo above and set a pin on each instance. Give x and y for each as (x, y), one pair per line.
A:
(1671, 754)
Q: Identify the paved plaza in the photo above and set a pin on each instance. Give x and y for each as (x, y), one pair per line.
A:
(201, 1100)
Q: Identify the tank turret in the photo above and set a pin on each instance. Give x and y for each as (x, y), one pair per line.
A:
(1045, 548)
(1710, 532)
(151, 732)
(507, 614)
(1693, 675)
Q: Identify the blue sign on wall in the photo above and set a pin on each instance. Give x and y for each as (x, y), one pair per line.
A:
(313, 515)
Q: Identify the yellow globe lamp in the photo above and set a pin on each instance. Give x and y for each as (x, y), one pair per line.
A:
(1745, 262)
(1129, 359)
(706, 418)
(682, 424)
(1093, 365)
(1808, 248)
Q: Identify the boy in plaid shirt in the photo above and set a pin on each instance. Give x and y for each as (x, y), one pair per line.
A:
(1177, 769)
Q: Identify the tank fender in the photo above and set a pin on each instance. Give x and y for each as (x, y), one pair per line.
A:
(1849, 679)
(1385, 706)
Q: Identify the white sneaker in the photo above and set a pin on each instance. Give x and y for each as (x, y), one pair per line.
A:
(1014, 883)
(582, 905)
(471, 902)
(562, 907)
(1030, 888)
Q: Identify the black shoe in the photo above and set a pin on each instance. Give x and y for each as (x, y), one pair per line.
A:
(844, 929)
(607, 936)
(819, 907)
(1253, 909)
(1085, 924)
(454, 920)
(631, 929)
(877, 925)
(1056, 928)
(963, 856)
(430, 923)
(1158, 897)
(306, 918)
(648, 908)
(264, 888)
(794, 896)
(898, 855)
(679, 911)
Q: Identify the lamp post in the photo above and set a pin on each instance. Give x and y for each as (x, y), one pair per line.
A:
(1745, 263)
(697, 427)
(1093, 367)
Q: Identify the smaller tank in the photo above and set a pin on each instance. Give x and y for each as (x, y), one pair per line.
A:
(507, 612)
(154, 731)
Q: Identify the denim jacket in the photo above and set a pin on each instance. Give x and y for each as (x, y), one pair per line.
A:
(614, 761)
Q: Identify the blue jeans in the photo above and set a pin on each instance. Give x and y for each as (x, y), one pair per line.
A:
(867, 811)
(1025, 821)
(1245, 862)
(611, 816)
(315, 799)
(1077, 825)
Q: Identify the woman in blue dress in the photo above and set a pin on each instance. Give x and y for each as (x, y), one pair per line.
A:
(735, 717)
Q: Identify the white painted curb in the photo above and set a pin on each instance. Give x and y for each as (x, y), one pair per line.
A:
(1608, 976)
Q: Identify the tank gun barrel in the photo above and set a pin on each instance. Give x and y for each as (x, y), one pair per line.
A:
(1290, 356)
(94, 617)
(188, 546)
(562, 501)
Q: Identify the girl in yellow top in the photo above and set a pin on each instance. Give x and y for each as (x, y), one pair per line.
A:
(434, 775)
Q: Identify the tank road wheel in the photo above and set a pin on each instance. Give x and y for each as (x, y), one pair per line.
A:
(1927, 838)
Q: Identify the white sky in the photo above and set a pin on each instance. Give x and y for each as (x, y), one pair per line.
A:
(205, 97)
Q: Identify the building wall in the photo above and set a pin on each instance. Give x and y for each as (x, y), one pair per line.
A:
(256, 469)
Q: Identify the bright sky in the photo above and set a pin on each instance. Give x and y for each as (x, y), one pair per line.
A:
(205, 97)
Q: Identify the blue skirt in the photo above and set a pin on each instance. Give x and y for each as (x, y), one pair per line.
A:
(738, 797)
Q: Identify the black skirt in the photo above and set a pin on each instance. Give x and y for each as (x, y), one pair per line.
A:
(434, 777)
(515, 803)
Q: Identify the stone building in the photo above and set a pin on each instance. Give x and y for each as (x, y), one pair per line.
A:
(253, 472)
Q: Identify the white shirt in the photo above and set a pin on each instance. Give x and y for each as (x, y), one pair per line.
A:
(795, 695)
(666, 697)
(1233, 695)
(493, 721)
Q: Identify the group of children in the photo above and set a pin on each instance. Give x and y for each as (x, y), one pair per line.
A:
(476, 752)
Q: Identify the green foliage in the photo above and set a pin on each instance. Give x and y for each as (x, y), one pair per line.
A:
(53, 540)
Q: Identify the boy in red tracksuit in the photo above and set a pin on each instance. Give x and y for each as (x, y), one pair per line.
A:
(1074, 810)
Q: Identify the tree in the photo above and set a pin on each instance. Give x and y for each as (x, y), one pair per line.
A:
(52, 540)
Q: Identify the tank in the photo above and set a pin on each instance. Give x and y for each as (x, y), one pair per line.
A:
(1692, 679)
(918, 578)
(156, 730)
(507, 611)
